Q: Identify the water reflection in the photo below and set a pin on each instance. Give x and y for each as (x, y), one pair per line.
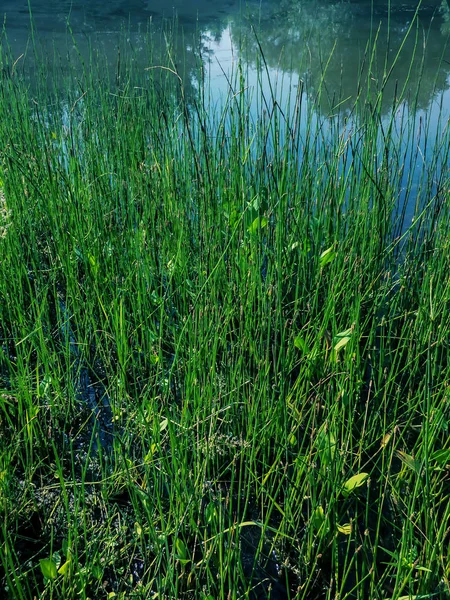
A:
(326, 43)
(332, 46)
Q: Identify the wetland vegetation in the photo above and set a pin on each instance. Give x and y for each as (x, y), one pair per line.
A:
(225, 334)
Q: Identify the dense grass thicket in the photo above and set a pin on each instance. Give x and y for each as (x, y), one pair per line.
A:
(224, 359)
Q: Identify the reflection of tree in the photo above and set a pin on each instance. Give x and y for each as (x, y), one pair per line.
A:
(297, 36)
(309, 37)
(445, 11)
(121, 36)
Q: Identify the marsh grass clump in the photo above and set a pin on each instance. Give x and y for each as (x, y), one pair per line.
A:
(224, 346)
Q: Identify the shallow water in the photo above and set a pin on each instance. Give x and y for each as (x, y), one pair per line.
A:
(315, 45)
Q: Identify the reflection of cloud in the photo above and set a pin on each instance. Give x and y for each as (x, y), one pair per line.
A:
(328, 43)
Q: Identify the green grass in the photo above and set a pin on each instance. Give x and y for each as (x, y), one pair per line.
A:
(224, 352)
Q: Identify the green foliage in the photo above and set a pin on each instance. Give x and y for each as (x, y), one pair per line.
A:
(224, 363)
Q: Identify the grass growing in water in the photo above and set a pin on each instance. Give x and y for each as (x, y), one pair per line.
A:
(224, 363)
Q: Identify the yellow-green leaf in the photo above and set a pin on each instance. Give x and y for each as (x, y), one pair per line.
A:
(63, 569)
(301, 344)
(346, 529)
(385, 440)
(327, 256)
(342, 339)
(354, 482)
(317, 518)
(149, 456)
(257, 224)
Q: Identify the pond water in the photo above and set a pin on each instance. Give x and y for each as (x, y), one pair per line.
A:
(301, 38)
(315, 44)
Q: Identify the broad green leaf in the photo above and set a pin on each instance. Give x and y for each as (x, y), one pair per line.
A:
(342, 339)
(48, 568)
(211, 513)
(326, 445)
(354, 482)
(163, 425)
(408, 460)
(154, 359)
(182, 552)
(441, 457)
(327, 256)
(301, 344)
(257, 224)
(317, 518)
(93, 262)
(346, 529)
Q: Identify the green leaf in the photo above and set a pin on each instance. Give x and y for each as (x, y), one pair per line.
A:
(327, 256)
(326, 446)
(301, 344)
(354, 482)
(48, 568)
(181, 552)
(258, 224)
(163, 425)
(94, 263)
(318, 518)
(408, 460)
(342, 339)
(211, 513)
(441, 457)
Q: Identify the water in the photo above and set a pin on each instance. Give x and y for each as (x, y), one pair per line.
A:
(323, 47)
(320, 46)
(298, 37)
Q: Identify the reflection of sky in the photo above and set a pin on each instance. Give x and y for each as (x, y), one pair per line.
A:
(421, 135)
